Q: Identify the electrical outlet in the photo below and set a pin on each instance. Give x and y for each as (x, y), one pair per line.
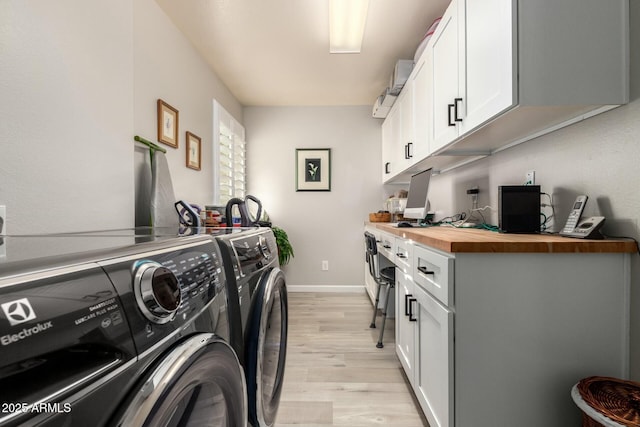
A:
(325, 265)
(530, 178)
(3, 220)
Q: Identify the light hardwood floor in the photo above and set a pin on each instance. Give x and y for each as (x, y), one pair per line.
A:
(335, 375)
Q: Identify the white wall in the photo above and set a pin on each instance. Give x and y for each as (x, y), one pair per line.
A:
(167, 66)
(78, 81)
(67, 115)
(321, 225)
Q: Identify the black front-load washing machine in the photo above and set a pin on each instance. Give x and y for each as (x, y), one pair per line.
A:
(119, 328)
(254, 278)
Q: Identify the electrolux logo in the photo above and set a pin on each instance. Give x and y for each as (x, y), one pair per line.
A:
(25, 333)
(18, 311)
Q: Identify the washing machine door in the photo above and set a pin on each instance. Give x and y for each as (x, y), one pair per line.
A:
(198, 383)
(266, 348)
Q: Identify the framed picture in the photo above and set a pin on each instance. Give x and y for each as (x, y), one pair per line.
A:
(313, 169)
(167, 124)
(194, 151)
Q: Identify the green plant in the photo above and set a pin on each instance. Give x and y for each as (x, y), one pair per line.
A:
(285, 250)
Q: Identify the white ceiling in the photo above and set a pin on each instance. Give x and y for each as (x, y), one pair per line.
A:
(276, 52)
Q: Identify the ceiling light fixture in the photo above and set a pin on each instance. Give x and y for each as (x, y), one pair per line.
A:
(347, 19)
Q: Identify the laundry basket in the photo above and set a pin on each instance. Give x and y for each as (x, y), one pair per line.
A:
(608, 402)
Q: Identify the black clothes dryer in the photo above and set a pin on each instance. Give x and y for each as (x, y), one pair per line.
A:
(259, 328)
(117, 329)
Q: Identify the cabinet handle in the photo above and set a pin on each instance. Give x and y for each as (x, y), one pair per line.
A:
(449, 115)
(406, 304)
(409, 150)
(411, 314)
(456, 101)
(406, 151)
(424, 270)
(386, 246)
(401, 255)
(386, 167)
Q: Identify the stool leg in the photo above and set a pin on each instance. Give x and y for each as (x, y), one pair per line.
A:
(384, 315)
(375, 308)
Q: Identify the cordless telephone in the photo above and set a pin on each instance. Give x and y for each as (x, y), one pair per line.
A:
(588, 228)
(574, 215)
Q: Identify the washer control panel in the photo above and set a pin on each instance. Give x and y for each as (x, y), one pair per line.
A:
(253, 252)
(165, 289)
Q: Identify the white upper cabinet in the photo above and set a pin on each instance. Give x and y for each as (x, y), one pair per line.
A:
(406, 146)
(532, 67)
(406, 131)
(447, 46)
(473, 67)
(422, 107)
(388, 128)
(490, 67)
(398, 146)
(502, 72)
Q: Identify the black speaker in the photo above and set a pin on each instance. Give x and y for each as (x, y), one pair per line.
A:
(519, 208)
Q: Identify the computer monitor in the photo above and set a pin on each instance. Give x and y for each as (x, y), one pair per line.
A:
(417, 201)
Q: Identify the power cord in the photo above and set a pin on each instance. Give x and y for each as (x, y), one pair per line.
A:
(459, 220)
(547, 219)
(479, 211)
(452, 219)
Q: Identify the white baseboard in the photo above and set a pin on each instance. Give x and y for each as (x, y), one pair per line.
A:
(326, 288)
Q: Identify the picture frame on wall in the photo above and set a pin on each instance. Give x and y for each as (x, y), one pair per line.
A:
(313, 169)
(167, 124)
(194, 151)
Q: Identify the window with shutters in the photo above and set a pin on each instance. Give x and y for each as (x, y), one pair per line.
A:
(229, 172)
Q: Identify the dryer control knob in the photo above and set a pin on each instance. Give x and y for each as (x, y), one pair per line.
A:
(157, 292)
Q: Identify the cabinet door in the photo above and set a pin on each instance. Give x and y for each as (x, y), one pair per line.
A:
(387, 147)
(405, 326)
(434, 359)
(448, 61)
(400, 159)
(422, 106)
(406, 126)
(490, 65)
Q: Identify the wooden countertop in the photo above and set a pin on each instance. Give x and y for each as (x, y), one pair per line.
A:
(450, 239)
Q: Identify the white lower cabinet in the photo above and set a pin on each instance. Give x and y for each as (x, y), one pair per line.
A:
(433, 372)
(424, 328)
(499, 339)
(405, 324)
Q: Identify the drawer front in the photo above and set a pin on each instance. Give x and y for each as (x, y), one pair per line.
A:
(385, 245)
(434, 272)
(403, 255)
(385, 242)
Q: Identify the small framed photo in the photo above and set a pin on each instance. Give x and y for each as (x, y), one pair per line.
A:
(313, 169)
(194, 151)
(167, 124)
